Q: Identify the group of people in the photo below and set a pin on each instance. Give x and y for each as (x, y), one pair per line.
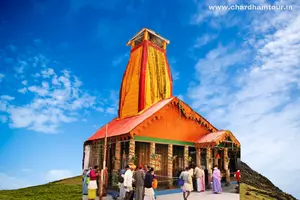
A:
(90, 182)
(140, 183)
(193, 178)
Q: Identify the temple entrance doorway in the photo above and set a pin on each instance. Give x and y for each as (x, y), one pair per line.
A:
(192, 155)
(142, 150)
(161, 163)
(178, 161)
(124, 154)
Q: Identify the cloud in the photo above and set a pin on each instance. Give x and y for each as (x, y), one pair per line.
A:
(204, 39)
(111, 110)
(203, 12)
(174, 72)
(253, 93)
(7, 97)
(3, 118)
(118, 60)
(217, 18)
(10, 182)
(181, 97)
(114, 103)
(54, 175)
(5, 100)
(56, 101)
(211, 71)
(22, 90)
(24, 82)
(46, 101)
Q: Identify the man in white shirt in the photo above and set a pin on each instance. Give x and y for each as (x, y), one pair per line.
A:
(128, 180)
(199, 174)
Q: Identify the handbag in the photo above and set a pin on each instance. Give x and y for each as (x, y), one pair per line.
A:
(87, 180)
(154, 184)
(180, 182)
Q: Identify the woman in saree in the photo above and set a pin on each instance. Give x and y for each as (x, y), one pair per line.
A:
(216, 181)
(92, 186)
(85, 181)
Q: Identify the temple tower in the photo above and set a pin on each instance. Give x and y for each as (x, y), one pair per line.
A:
(147, 78)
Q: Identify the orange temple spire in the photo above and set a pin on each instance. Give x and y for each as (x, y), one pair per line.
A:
(147, 78)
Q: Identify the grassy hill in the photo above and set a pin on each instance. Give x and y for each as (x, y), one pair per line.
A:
(67, 189)
(254, 186)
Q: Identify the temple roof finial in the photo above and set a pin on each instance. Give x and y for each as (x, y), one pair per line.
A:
(152, 36)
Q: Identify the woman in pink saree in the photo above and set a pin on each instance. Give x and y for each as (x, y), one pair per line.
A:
(216, 181)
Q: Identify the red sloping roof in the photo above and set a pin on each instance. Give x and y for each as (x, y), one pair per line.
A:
(215, 138)
(119, 127)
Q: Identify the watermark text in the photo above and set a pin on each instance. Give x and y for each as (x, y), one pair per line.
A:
(250, 7)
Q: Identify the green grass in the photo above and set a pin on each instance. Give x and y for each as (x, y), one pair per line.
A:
(253, 193)
(67, 189)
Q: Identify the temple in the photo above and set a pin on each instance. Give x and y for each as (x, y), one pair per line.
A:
(156, 128)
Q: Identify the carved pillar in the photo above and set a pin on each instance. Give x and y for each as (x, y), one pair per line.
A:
(170, 164)
(198, 157)
(209, 166)
(99, 153)
(152, 152)
(146, 35)
(131, 151)
(132, 44)
(226, 167)
(117, 156)
(186, 156)
(164, 45)
(215, 158)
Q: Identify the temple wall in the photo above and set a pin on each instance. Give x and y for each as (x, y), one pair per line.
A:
(171, 125)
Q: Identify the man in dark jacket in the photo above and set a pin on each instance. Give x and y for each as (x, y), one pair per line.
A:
(139, 178)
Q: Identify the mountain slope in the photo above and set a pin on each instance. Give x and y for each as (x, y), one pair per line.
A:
(255, 184)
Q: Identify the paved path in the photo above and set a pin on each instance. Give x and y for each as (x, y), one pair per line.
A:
(194, 196)
(85, 197)
(204, 195)
(208, 195)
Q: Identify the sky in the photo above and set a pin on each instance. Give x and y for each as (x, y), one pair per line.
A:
(61, 65)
